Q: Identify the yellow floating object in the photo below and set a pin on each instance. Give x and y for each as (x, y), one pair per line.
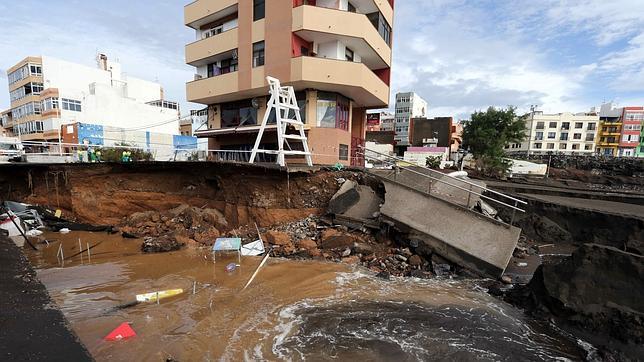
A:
(58, 213)
(161, 294)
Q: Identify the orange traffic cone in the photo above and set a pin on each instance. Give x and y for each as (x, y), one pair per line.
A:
(121, 332)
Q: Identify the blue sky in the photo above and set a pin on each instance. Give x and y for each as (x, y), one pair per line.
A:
(460, 56)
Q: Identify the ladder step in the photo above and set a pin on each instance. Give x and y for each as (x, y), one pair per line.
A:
(275, 152)
(288, 106)
(292, 121)
(293, 137)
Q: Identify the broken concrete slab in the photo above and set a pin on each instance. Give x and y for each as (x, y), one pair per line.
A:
(462, 236)
(346, 197)
(367, 206)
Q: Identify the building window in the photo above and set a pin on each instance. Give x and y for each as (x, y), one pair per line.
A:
(591, 127)
(552, 135)
(550, 146)
(588, 147)
(229, 66)
(343, 152)
(538, 136)
(540, 125)
(590, 137)
(332, 111)
(258, 54)
(563, 146)
(71, 105)
(259, 9)
(49, 104)
(348, 54)
(35, 69)
(563, 136)
(576, 136)
(579, 125)
(575, 146)
(380, 23)
(565, 125)
(240, 113)
(537, 145)
(553, 125)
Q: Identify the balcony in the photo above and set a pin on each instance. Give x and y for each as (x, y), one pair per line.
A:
(198, 52)
(201, 12)
(320, 25)
(353, 80)
(385, 7)
(206, 90)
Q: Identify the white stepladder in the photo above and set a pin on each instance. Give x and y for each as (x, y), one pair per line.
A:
(283, 101)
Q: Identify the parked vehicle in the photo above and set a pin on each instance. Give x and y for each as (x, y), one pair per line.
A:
(11, 150)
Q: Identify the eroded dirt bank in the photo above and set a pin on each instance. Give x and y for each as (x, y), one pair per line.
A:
(107, 193)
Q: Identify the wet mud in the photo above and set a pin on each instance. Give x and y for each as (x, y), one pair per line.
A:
(294, 310)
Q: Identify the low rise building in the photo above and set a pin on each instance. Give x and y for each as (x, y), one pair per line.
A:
(162, 146)
(47, 93)
(419, 155)
(435, 131)
(380, 121)
(630, 137)
(558, 133)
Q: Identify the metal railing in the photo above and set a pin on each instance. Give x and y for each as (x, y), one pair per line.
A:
(395, 161)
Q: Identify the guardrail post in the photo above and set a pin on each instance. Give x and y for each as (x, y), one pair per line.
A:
(514, 211)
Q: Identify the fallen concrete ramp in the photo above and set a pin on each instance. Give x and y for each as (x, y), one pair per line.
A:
(460, 235)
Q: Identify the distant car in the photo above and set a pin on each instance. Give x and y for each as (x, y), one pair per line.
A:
(11, 150)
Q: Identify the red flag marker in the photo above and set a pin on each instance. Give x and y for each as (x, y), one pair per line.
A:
(121, 332)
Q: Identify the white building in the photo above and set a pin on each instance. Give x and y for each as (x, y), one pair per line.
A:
(408, 105)
(387, 121)
(419, 155)
(47, 93)
(562, 133)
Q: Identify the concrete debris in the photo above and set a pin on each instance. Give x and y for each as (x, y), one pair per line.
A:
(346, 197)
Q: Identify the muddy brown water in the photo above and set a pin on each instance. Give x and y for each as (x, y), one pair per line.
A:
(294, 310)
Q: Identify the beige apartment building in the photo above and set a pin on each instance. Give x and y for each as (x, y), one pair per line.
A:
(335, 53)
(559, 133)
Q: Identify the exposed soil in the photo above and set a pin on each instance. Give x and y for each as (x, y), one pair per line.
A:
(106, 193)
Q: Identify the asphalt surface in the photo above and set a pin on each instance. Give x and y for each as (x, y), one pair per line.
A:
(610, 207)
(32, 328)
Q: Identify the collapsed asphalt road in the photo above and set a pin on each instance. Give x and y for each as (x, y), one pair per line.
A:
(33, 328)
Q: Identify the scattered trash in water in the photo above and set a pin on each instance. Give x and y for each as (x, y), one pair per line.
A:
(254, 248)
(227, 244)
(123, 331)
(522, 264)
(33, 233)
(231, 267)
(64, 230)
(156, 296)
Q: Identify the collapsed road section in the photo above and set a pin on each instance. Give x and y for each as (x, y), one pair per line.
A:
(33, 328)
(197, 202)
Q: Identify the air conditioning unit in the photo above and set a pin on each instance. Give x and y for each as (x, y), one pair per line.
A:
(235, 54)
(316, 48)
(198, 76)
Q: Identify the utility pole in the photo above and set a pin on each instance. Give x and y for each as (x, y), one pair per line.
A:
(533, 108)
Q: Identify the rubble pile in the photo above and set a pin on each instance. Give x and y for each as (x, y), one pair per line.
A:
(183, 224)
(315, 238)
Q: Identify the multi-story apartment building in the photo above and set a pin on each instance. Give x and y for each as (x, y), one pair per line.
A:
(630, 138)
(46, 93)
(408, 105)
(335, 53)
(610, 130)
(562, 133)
(387, 121)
